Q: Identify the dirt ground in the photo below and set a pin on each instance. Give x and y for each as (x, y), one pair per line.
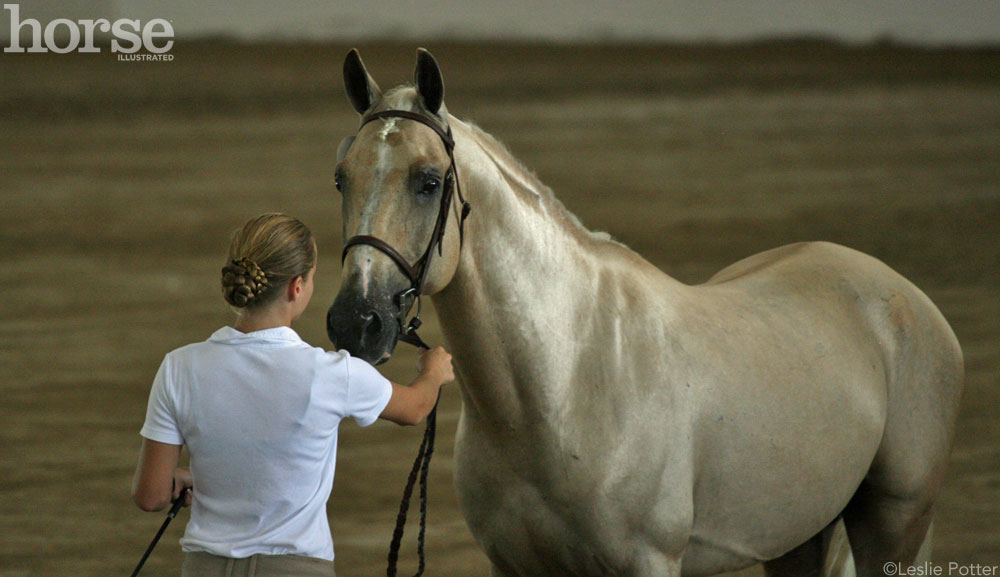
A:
(121, 181)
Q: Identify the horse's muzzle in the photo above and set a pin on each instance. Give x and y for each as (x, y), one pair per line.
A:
(365, 327)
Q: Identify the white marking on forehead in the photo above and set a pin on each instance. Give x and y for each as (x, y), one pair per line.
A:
(366, 223)
(382, 167)
(389, 128)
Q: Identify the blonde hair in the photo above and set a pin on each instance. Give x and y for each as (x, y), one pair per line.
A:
(265, 254)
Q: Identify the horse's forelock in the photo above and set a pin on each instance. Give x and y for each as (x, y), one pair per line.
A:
(405, 97)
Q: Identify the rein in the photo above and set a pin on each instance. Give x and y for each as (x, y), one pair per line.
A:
(422, 465)
(417, 274)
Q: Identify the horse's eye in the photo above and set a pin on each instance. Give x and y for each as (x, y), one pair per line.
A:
(336, 181)
(430, 186)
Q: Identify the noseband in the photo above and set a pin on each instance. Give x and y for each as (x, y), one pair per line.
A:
(417, 272)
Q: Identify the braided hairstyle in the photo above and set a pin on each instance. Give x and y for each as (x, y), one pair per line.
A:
(265, 254)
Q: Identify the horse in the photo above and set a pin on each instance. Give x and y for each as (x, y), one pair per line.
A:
(614, 420)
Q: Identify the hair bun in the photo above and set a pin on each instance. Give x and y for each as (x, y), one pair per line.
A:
(243, 282)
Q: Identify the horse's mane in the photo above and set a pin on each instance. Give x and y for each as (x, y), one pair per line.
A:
(506, 162)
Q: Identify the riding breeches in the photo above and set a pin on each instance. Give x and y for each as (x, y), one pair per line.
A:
(208, 565)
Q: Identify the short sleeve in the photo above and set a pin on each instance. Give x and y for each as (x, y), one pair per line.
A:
(161, 420)
(368, 392)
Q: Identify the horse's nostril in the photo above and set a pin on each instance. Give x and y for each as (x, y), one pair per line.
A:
(372, 324)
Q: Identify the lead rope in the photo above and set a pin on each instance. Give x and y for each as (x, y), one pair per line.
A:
(422, 465)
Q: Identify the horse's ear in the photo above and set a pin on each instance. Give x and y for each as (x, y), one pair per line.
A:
(430, 84)
(361, 89)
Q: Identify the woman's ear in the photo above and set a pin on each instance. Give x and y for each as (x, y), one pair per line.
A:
(295, 287)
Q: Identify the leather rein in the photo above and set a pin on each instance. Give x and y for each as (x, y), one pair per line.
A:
(417, 272)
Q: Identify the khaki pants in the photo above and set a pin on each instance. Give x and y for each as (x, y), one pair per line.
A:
(207, 565)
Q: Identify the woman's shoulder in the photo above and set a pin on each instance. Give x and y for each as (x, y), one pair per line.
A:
(196, 349)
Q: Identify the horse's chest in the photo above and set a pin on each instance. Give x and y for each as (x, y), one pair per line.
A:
(535, 515)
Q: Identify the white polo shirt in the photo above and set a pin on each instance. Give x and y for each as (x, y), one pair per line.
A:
(259, 414)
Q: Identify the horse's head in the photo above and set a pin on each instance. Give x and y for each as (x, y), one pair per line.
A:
(396, 177)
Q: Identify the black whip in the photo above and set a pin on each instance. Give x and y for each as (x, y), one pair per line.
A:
(170, 516)
(421, 465)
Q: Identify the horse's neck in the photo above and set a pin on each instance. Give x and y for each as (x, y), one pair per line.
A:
(523, 282)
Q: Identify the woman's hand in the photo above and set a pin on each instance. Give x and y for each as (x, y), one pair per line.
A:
(182, 480)
(411, 404)
(436, 364)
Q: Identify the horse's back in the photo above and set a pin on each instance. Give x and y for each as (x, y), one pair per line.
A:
(906, 323)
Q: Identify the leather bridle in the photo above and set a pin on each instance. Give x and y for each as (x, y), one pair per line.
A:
(417, 272)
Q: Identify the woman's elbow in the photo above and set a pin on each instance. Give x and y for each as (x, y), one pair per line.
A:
(149, 503)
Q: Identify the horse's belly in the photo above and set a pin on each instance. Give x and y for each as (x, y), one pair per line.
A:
(777, 466)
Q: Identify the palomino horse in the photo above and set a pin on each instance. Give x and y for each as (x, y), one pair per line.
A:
(616, 421)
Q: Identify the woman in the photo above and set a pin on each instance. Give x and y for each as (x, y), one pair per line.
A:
(258, 409)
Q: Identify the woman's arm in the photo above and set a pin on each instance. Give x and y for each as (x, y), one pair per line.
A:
(158, 480)
(411, 404)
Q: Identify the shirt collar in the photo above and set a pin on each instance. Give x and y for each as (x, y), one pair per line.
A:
(273, 336)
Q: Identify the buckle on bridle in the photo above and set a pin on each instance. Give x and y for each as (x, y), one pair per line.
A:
(408, 330)
(399, 303)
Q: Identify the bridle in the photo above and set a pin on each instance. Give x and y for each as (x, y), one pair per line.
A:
(417, 272)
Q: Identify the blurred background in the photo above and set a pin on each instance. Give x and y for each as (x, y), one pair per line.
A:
(931, 22)
(698, 133)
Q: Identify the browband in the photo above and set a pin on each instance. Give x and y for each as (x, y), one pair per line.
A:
(449, 142)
